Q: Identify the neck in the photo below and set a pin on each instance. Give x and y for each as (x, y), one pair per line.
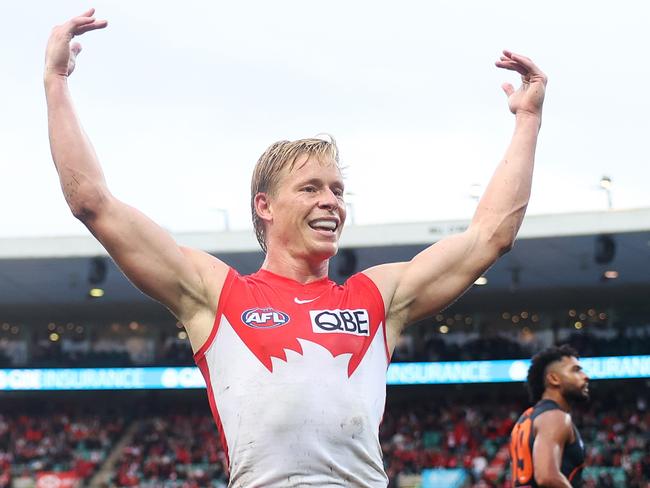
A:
(295, 268)
(557, 397)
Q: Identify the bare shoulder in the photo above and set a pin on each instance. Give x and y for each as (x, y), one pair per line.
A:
(211, 270)
(555, 424)
(386, 278)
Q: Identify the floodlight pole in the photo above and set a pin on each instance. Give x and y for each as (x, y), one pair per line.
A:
(606, 184)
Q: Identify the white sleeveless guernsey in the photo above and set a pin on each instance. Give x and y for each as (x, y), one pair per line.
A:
(296, 379)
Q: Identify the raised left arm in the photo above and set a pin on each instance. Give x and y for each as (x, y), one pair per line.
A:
(441, 273)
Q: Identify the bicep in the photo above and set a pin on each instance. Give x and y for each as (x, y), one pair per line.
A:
(552, 433)
(441, 273)
(149, 256)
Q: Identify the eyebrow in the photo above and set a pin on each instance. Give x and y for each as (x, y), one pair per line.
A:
(319, 181)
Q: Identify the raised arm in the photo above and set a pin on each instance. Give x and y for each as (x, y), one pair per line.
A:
(186, 281)
(441, 273)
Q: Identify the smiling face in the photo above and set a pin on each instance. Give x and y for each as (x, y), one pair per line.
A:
(304, 213)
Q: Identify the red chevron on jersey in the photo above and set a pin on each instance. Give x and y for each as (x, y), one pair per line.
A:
(270, 313)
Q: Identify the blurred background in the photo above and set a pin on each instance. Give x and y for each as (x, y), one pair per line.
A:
(180, 101)
(99, 388)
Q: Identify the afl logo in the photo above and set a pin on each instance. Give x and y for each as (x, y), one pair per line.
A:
(264, 318)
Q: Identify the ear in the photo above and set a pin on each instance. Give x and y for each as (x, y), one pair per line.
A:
(552, 378)
(263, 207)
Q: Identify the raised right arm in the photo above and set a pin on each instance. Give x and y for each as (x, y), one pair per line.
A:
(186, 281)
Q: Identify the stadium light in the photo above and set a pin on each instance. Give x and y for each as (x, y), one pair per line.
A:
(96, 292)
(606, 184)
(610, 274)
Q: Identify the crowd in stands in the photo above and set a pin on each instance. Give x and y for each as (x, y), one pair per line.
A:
(437, 434)
(630, 342)
(173, 451)
(445, 434)
(115, 353)
(61, 442)
(5, 360)
(617, 435)
(476, 349)
(167, 349)
(435, 347)
(176, 446)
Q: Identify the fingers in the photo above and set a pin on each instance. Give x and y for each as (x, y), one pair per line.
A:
(85, 22)
(94, 25)
(84, 18)
(521, 64)
(508, 89)
(524, 61)
(507, 62)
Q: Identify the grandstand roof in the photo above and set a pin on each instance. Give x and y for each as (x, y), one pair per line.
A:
(554, 252)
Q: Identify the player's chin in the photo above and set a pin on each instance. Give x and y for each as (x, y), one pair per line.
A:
(577, 395)
(329, 251)
(324, 250)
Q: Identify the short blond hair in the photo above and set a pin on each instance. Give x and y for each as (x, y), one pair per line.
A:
(281, 155)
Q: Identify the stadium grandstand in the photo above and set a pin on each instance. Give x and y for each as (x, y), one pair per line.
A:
(98, 386)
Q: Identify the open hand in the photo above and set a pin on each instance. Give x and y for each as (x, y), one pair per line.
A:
(529, 97)
(61, 52)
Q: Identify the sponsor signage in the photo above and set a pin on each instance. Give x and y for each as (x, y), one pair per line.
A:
(100, 379)
(451, 478)
(62, 479)
(355, 322)
(264, 318)
(505, 371)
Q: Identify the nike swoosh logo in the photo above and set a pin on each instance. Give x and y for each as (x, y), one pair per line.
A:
(302, 302)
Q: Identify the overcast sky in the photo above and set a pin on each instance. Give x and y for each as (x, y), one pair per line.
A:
(181, 98)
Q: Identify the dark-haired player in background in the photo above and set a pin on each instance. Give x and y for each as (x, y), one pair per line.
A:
(546, 449)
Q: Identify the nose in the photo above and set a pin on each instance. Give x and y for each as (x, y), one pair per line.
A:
(328, 200)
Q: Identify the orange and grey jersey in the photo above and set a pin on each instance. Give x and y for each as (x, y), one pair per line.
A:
(296, 378)
(521, 449)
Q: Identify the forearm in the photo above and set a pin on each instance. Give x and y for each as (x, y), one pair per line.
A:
(501, 209)
(80, 174)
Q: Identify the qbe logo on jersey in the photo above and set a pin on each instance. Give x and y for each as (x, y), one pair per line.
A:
(354, 322)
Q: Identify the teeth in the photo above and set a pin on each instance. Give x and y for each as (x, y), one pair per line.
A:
(323, 224)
